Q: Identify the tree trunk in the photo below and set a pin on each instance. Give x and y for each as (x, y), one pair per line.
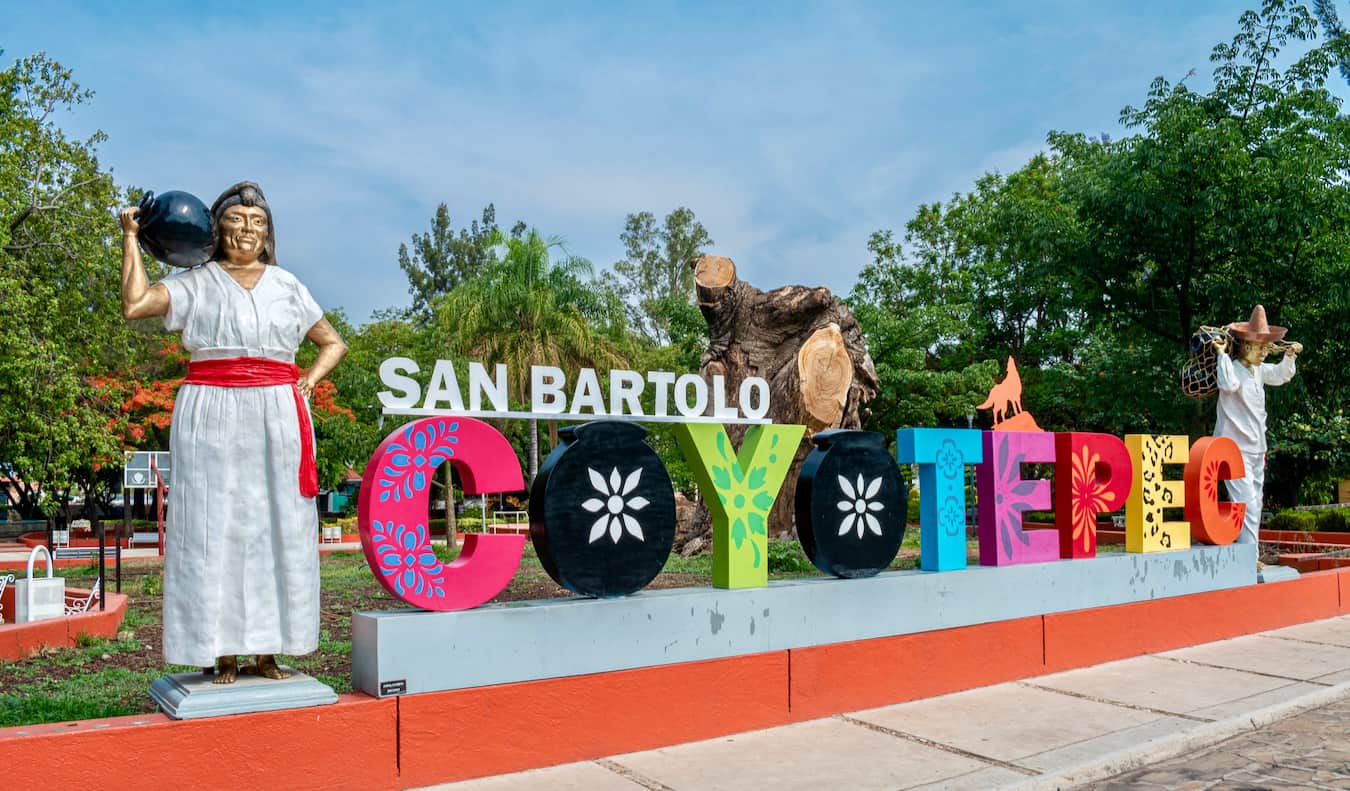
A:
(451, 529)
(803, 341)
(534, 451)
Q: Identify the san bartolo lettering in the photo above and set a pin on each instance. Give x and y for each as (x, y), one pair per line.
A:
(685, 397)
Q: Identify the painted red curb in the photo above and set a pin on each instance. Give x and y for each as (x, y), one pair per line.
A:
(445, 736)
(22, 640)
(510, 727)
(1089, 637)
(350, 744)
(1305, 537)
(842, 677)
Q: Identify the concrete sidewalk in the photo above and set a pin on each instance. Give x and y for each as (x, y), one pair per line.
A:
(1052, 731)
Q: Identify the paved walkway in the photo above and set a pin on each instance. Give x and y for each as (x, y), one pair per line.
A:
(1284, 695)
(1309, 750)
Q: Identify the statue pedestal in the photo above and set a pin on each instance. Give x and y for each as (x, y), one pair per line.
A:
(185, 696)
(1276, 574)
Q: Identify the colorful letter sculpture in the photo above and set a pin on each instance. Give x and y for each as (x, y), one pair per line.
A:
(1213, 459)
(942, 455)
(602, 510)
(1093, 475)
(1004, 496)
(1145, 530)
(740, 489)
(392, 515)
(850, 504)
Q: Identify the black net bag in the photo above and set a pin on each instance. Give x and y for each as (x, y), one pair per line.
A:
(1199, 378)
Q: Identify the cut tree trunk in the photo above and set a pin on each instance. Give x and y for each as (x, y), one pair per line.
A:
(803, 341)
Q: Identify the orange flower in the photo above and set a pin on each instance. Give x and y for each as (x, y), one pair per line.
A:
(1090, 498)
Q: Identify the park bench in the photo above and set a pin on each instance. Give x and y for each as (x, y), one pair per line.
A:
(509, 522)
(78, 604)
(143, 537)
(79, 552)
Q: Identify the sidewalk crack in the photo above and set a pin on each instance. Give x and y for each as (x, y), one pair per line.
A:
(947, 748)
(1121, 704)
(1303, 640)
(628, 774)
(1212, 666)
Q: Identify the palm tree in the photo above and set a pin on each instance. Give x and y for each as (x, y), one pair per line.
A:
(527, 309)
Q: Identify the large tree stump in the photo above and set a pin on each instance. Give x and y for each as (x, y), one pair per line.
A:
(803, 341)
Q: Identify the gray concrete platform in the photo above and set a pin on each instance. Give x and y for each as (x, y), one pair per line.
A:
(1055, 731)
(411, 651)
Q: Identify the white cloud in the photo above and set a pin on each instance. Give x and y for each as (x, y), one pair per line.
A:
(792, 134)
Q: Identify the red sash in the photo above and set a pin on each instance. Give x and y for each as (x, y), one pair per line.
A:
(261, 372)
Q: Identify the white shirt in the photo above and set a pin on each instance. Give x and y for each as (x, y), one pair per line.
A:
(1242, 400)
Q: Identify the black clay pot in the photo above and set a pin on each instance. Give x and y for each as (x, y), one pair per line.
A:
(851, 504)
(602, 510)
(175, 228)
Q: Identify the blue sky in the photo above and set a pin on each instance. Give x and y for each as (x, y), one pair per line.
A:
(793, 130)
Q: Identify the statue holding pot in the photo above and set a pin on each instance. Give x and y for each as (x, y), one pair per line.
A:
(241, 573)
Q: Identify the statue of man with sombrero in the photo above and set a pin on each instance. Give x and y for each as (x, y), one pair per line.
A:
(1242, 405)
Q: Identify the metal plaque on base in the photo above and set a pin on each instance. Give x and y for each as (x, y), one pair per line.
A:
(186, 696)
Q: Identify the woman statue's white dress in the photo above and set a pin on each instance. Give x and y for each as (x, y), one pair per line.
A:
(241, 570)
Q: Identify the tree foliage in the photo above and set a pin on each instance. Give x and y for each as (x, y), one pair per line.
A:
(1333, 29)
(1092, 264)
(60, 319)
(442, 259)
(529, 306)
(655, 277)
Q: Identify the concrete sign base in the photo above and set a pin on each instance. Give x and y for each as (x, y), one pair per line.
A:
(410, 651)
(185, 696)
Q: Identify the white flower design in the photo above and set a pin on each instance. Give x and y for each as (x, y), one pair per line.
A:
(858, 511)
(614, 519)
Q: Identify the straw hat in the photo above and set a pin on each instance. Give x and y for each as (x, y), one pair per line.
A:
(1257, 328)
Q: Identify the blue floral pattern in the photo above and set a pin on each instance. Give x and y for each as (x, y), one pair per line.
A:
(951, 519)
(406, 559)
(410, 461)
(950, 460)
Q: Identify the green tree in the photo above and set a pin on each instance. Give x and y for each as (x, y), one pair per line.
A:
(975, 281)
(60, 317)
(1222, 200)
(1332, 27)
(904, 331)
(528, 307)
(655, 277)
(442, 258)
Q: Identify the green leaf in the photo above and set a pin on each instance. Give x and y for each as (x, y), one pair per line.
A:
(720, 478)
(757, 523)
(763, 501)
(757, 477)
(738, 533)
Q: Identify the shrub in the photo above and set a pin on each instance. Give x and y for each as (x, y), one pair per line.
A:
(1333, 520)
(462, 524)
(1292, 520)
(786, 557)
